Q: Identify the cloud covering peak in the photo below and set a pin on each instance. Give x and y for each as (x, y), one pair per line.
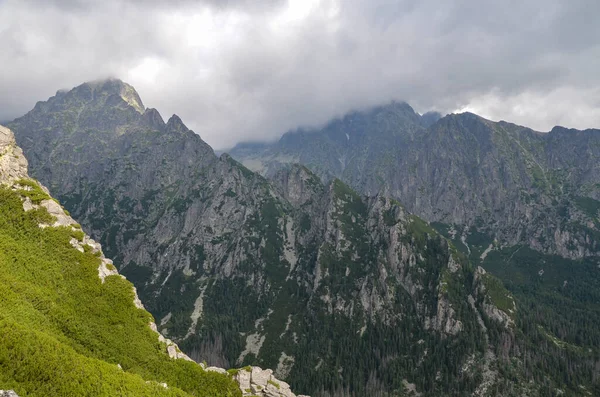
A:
(250, 70)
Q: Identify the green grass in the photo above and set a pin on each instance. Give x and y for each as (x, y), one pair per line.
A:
(235, 371)
(64, 332)
(500, 297)
(419, 230)
(30, 188)
(274, 383)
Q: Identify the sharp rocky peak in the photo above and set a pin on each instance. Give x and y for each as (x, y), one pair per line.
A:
(176, 124)
(153, 118)
(464, 122)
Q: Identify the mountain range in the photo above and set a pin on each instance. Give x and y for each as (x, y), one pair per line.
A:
(377, 266)
(517, 185)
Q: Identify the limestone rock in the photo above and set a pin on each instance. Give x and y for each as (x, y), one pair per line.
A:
(55, 209)
(255, 381)
(216, 369)
(13, 164)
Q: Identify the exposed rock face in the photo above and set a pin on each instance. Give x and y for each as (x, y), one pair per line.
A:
(294, 274)
(257, 382)
(8, 393)
(13, 164)
(490, 310)
(518, 185)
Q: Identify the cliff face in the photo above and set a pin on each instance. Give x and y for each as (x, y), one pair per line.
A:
(13, 165)
(331, 289)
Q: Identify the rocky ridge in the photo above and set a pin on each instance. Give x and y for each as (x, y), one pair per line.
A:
(516, 185)
(257, 382)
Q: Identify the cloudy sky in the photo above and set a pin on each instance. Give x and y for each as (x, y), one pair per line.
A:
(251, 69)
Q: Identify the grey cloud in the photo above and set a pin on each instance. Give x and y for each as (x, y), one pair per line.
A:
(250, 70)
(84, 5)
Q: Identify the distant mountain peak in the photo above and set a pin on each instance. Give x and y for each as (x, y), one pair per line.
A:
(153, 118)
(113, 86)
(175, 123)
(430, 118)
(471, 119)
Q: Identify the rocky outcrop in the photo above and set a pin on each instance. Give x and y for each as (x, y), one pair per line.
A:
(257, 382)
(503, 317)
(445, 318)
(8, 393)
(13, 164)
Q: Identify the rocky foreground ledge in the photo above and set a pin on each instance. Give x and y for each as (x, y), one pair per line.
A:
(255, 381)
(8, 393)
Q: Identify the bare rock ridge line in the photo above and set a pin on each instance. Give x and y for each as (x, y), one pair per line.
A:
(13, 171)
(513, 183)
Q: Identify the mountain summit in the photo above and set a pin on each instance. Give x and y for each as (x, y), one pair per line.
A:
(110, 88)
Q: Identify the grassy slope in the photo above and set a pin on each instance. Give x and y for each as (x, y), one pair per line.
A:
(64, 332)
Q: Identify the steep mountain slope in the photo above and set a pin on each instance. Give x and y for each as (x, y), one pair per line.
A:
(70, 324)
(512, 183)
(342, 294)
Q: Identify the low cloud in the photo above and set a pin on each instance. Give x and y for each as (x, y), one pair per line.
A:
(250, 70)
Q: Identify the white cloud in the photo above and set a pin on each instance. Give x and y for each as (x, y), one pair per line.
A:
(566, 106)
(146, 71)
